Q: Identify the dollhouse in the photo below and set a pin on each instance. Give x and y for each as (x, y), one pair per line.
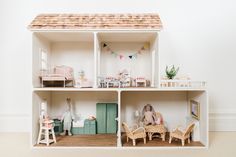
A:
(108, 66)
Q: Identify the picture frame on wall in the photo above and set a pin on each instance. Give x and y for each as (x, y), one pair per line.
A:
(195, 109)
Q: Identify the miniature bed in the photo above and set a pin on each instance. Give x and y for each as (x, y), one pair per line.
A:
(59, 73)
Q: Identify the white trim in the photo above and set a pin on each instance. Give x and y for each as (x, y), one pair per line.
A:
(119, 143)
(96, 30)
(222, 121)
(117, 89)
(15, 122)
(122, 148)
(95, 60)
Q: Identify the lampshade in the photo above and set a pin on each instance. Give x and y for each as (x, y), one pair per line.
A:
(136, 113)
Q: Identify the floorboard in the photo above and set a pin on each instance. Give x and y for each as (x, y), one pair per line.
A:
(107, 140)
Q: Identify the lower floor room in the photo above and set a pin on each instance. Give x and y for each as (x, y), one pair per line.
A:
(110, 118)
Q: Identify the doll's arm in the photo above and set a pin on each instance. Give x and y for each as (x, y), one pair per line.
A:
(62, 117)
(143, 118)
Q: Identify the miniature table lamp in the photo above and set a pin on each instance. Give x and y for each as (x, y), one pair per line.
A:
(137, 116)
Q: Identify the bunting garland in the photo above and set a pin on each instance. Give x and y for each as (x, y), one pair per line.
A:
(121, 56)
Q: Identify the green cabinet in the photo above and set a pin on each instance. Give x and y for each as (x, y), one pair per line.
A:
(89, 126)
(77, 130)
(106, 114)
(111, 118)
(101, 118)
(58, 126)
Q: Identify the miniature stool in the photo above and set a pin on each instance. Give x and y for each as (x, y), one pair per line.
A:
(46, 129)
(140, 81)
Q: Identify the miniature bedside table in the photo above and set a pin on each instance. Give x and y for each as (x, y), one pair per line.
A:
(140, 81)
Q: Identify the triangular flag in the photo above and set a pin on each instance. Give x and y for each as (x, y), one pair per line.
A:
(104, 45)
(130, 56)
(121, 57)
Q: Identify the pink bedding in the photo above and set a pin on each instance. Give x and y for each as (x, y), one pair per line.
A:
(65, 71)
(59, 73)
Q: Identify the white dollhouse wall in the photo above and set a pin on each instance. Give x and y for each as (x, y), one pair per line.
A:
(83, 51)
(201, 98)
(40, 44)
(83, 103)
(172, 106)
(70, 49)
(78, 55)
(154, 49)
(144, 65)
(137, 67)
(38, 98)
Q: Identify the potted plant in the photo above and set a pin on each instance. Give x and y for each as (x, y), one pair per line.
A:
(171, 72)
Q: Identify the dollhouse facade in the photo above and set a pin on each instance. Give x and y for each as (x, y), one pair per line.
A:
(108, 64)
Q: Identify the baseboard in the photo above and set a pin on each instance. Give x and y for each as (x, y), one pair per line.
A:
(22, 122)
(225, 121)
(15, 123)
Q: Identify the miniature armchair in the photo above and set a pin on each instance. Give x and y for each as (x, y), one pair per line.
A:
(133, 134)
(182, 134)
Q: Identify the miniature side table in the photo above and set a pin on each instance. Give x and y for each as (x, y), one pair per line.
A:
(152, 129)
(139, 81)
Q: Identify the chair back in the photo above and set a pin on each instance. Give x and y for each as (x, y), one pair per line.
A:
(126, 128)
(189, 129)
(159, 116)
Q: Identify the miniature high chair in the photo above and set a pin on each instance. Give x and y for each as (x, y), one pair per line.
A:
(46, 129)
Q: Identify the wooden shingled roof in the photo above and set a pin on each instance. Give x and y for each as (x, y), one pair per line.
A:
(96, 21)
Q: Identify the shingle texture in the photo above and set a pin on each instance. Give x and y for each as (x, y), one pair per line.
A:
(96, 21)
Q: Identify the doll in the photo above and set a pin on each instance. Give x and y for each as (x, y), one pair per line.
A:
(149, 115)
(67, 118)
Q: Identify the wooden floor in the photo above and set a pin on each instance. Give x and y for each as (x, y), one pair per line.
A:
(110, 140)
(103, 140)
(157, 142)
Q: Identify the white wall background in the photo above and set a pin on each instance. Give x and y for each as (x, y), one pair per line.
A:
(139, 67)
(174, 111)
(199, 36)
(76, 52)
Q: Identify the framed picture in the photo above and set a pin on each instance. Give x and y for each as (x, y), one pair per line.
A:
(195, 109)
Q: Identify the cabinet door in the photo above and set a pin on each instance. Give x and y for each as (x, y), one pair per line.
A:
(101, 118)
(111, 118)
